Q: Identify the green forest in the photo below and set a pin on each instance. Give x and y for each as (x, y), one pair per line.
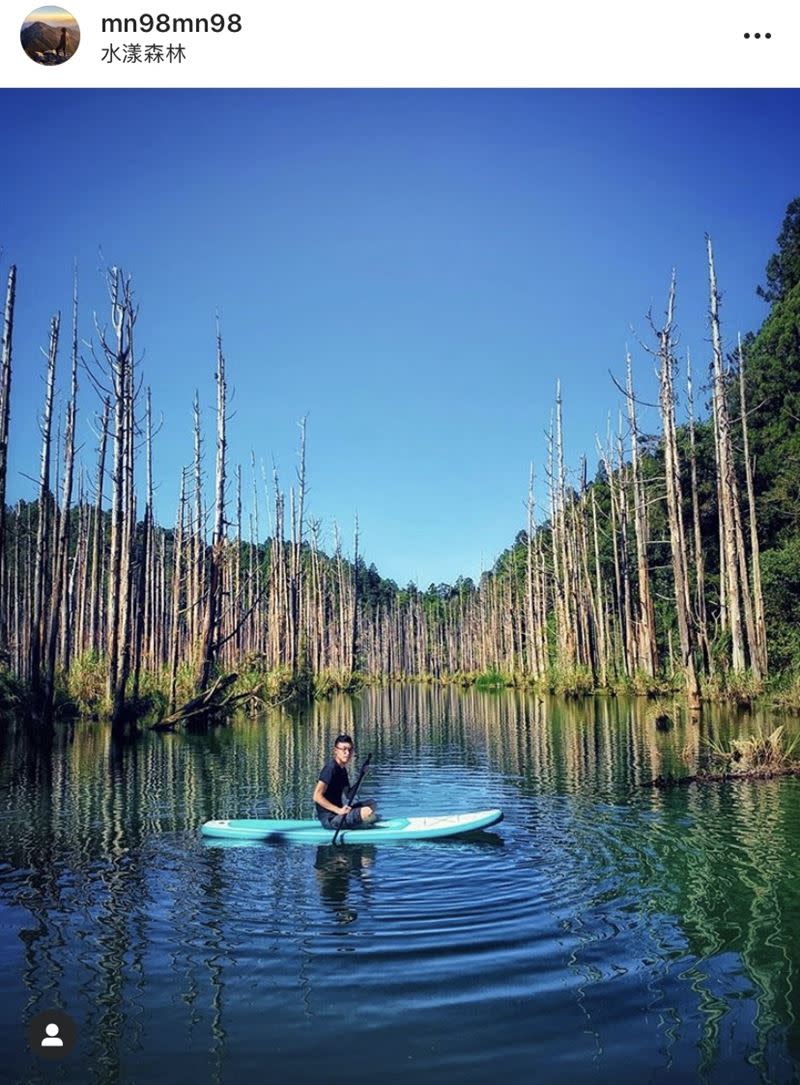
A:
(676, 569)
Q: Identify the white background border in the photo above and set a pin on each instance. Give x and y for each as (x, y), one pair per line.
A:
(437, 43)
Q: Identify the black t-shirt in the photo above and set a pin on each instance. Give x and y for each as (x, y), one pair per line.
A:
(336, 782)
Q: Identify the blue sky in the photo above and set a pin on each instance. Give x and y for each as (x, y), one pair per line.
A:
(413, 270)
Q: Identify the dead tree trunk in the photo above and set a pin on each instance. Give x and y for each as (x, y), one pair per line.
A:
(531, 643)
(622, 662)
(726, 477)
(5, 414)
(197, 579)
(298, 653)
(755, 553)
(600, 605)
(647, 655)
(237, 581)
(41, 589)
(177, 575)
(62, 544)
(213, 598)
(98, 537)
(145, 578)
(119, 359)
(680, 569)
(699, 556)
(68, 610)
(354, 608)
(631, 652)
(569, 633)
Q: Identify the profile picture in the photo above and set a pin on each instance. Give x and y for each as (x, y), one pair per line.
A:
(50, 35)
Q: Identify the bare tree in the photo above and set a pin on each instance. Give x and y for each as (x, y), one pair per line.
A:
(119, 360)
(698, 554)
(647, 651)
(62, 545)
(680, 571)
(726, 477)
(98, 536)
(5, 414)
(41, 586)
(760, 645)
(213, 598)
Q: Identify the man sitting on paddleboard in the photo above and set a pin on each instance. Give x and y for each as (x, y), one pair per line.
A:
(333, 786)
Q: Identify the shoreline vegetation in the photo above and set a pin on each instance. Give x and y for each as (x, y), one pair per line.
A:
(82, 693)
(675, 571)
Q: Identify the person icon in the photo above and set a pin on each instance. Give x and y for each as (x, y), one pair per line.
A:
(52, 1039)
(51, 1034)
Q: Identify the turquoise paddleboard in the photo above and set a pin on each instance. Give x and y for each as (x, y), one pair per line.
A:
(311, 832)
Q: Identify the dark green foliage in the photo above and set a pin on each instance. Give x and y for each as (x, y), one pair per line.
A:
(781, 581)
(373, 590)
(772, 371)
(783, 268)
(13, 695)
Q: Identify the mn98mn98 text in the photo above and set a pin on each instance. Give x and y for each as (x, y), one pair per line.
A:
(167, 24)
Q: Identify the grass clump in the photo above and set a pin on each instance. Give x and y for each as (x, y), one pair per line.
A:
(662, 714)
(153, 699)
(493, 679)
(641, 684)
(458, 678)
(326, 683)
(788, 699)
(759, 754)
(732, 687)
(571, 681)
(13, 695)
(86, 685)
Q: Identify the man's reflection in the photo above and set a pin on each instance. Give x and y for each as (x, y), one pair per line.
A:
(334, 867)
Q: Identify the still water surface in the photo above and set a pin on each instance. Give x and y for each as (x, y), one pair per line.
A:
(602, 932)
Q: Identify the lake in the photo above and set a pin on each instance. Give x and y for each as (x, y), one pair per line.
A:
(604, 931)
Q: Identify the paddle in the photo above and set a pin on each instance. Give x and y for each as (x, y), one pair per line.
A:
(352, 795)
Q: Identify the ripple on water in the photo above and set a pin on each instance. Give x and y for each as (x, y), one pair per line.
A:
(601, 930)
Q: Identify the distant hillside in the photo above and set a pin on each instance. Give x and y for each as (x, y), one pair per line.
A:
(40, 41)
